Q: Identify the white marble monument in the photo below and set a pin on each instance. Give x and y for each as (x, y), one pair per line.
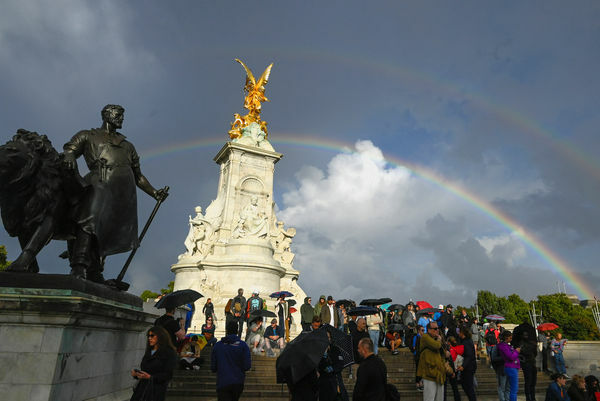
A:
(238, 242)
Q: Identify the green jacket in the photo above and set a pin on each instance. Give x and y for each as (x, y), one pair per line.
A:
(431, 364)
(318, 306)
(306, 311)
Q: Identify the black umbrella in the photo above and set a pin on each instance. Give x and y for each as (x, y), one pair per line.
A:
(177, 298)
(375, 301)
(346, 302)
(291, 302)
(343, 355)
(427, 311)
(396, 327)
(395, 307)
(262, 313)
(301, 356)
(362, 311)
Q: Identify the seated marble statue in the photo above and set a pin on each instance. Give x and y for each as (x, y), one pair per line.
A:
(252, 223)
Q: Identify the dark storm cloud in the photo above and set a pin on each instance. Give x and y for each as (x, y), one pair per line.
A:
(456, 88)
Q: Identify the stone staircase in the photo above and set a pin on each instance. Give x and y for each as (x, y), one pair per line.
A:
(261, 384)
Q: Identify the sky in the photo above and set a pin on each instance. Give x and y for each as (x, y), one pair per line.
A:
(431, 149)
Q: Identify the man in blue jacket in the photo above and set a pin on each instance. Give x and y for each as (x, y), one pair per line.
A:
(230, 359)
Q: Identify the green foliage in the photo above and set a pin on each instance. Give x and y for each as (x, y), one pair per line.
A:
(575, 322)
(147, 294)
(4, 263)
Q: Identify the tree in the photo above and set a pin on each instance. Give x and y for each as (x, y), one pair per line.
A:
(4, 263)
(147, 294)
(574, 321)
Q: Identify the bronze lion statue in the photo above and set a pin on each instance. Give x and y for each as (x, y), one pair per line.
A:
(36, 195)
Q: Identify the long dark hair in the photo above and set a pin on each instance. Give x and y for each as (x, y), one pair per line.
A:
(164, 339)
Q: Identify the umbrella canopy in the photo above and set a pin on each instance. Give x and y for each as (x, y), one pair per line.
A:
(395, 307)
(396, 327)
(262, 313)
(424, 304)
(344, 349)
(547, 327)
(293, 310)
(279, 294)
(177, 298)
(301, 356)
(495, 317)
(362, 311)
(375, 301)
(346, 302)
(427, 311)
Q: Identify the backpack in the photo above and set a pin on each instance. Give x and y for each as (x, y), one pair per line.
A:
(490, 338)
(255, 304)
(237, 305)
(496, 358)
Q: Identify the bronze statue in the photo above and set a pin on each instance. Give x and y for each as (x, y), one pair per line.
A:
(106, 218)
(42, 196)
(36, 195)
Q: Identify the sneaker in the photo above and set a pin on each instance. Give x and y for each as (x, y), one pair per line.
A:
(196, 367)
(350, 376)
(270, 353)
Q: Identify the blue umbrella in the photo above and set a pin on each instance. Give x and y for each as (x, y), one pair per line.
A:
(495, 317)
(279, 294)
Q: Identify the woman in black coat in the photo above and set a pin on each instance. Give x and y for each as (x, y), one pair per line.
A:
(469, 363)
(156, 368)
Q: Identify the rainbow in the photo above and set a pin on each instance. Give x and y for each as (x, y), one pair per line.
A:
(551, 258)
(568, 150)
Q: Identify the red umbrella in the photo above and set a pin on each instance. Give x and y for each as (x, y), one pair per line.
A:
(293, 310)
(547, 327)
(423, 304)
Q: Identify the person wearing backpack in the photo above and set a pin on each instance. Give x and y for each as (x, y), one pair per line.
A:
(238, 309)
(491, 339)
(497, 362)
(254, 303)
(512, 363)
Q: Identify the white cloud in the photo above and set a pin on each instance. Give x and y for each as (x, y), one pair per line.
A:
(367, 229)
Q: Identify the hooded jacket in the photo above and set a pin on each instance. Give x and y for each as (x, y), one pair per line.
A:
(318, 305)
(230, 359)
(306, 311)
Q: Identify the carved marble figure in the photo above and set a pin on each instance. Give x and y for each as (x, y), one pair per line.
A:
(252, 222)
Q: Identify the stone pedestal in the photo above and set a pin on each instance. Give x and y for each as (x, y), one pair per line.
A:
(67, 339)
(238, 242)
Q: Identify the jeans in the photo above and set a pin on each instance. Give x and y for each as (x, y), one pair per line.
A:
(503, 386)
(530, 377)
(374, 334)
(512, 375)
(560, 362)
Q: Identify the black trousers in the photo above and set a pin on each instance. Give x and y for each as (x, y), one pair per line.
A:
(530, 377)
(230, 393)
(468, 384)
(545, 352)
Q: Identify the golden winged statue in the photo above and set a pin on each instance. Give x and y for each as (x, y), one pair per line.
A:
(255, 95)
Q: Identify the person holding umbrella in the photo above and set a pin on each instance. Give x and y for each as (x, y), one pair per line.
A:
(172, 327)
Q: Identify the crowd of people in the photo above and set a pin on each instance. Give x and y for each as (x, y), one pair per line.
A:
(445, 348)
